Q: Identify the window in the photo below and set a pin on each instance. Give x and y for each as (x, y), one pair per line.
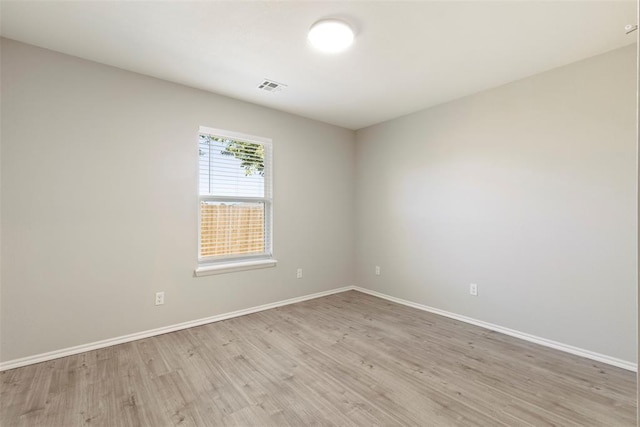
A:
(235, 202)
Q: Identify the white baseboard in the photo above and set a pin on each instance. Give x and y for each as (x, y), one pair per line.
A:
(43, 357)
(517, 334)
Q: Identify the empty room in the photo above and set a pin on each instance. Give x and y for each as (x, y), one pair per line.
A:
(292, 213)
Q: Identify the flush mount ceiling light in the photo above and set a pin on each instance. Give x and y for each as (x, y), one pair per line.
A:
(331, 35)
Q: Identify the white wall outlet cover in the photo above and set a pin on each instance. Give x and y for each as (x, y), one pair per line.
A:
(159, 298)
(473, 289)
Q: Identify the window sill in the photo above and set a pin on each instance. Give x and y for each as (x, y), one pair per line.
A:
(209, 269)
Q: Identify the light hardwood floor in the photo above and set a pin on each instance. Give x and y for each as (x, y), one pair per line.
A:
(345, 359)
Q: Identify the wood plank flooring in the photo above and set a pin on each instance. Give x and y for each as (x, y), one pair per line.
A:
(348, 359)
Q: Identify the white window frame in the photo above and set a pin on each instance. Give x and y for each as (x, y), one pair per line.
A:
(216, 265)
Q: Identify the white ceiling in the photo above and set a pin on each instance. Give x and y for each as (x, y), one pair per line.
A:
(406, 55)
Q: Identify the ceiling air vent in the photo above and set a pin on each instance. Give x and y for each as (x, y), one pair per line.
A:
(271, 86)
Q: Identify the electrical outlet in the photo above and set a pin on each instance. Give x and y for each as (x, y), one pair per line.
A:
(159, 298)
(377, 270)
(299, 273)
(473, 289)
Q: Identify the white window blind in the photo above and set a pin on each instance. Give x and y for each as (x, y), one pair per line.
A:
(235, 197)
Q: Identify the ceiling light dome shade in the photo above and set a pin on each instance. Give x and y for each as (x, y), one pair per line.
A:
(331, 35)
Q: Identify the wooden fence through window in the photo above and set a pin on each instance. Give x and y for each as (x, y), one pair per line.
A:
(233, 229)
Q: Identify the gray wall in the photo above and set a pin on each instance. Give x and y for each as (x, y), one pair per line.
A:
(528, 190)
(99, 203)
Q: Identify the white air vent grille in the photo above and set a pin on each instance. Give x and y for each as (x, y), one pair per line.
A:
(271, 86)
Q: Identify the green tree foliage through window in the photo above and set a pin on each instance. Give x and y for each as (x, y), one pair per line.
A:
(251, 155)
